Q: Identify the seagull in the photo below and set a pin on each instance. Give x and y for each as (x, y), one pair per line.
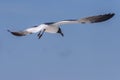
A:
(54, 27)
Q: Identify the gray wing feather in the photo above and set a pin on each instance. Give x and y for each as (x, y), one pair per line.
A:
(91, 19)
(98, 18)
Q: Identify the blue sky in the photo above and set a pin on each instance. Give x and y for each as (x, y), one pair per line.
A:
(86, 52)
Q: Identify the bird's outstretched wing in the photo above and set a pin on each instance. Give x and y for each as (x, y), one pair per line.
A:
(25, 32)
(19, 33)
(91, 19)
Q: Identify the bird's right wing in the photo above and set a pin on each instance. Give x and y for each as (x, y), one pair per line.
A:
(91, 19)
(96, 19)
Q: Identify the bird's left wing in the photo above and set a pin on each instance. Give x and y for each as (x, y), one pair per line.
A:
(25, 32)
(91, 19)
(19, 33)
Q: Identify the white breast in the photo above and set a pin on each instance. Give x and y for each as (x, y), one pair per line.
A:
(52, 29)
(37, 29)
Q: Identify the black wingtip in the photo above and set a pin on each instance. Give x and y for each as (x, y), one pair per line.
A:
(8, 30)
(110, 15)
(16, 33)
(104, 17)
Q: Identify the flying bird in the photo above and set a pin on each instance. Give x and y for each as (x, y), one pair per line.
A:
(54, 27)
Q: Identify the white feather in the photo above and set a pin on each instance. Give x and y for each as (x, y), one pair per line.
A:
(54, 27)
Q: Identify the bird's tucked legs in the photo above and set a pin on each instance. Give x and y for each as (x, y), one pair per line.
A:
(40, 34)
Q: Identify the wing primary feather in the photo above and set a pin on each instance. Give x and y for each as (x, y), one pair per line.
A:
(98, 18)
(91, 19)
(20, 33)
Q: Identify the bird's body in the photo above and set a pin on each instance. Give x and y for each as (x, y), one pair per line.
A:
(36, 29)
(54, 27)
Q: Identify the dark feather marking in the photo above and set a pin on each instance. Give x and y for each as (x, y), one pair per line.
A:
(20, 33)
(35, 26)
(49, 23)
(69, 20)
(100, 18)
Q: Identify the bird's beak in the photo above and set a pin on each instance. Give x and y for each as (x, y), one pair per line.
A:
(62, 34)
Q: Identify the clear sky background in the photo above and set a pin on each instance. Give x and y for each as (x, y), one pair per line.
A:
(86, 52)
